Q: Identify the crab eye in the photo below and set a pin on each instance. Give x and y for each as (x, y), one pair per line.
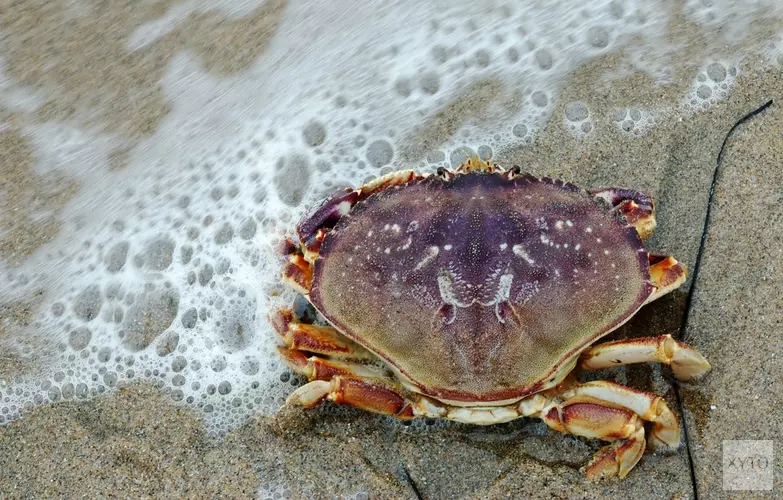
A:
(442, 172)
(516, 170)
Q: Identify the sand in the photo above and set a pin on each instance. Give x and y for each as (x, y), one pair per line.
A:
(136, 443)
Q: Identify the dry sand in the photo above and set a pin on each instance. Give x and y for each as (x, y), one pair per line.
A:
(135, 443)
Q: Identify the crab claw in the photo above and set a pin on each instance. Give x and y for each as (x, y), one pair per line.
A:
(666, 275)
(616, 459)
(328, 213)
(637, 208)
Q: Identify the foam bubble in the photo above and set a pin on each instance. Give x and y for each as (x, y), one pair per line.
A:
(712, 84)
(635, 122)
(314, 134)
(379, 153)
(577, 119)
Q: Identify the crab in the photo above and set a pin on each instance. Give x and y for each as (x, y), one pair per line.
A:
(474, 295)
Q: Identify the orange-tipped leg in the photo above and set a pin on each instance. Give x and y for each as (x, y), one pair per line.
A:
(315, 368)
(370, 395)
(666, 275)
(313, 338)
(298, 273)
(686, 362)
(615, 413)
(616, 459)
(649, 407)
(593, 418)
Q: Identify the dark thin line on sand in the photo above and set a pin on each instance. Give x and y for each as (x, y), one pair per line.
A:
(694, 281)
(411, 482)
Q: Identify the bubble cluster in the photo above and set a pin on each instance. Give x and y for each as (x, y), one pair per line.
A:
(635, 121)
(273, 491)
(729, 19)
(711, 85)
(772, 52)
(577, 119)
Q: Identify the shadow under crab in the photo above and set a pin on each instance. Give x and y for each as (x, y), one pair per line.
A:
(479, 291)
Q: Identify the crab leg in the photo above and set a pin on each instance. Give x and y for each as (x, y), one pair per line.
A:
(601, 410)
(316, 368)
(666, 275)
(647, 406)
(298, 273)
(374, 395)
(592, 418)
(686, 362)
(637, 208)
(315, 339)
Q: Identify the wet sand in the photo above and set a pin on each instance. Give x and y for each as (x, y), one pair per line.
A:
(136, 443)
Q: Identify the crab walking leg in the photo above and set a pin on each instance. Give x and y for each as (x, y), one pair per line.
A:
(316, 368)
(373, 395)
(686, 362)
(637, 208)
(666, 275)
(647, 406)
(592, 418)
(313, 338)
(298, 273)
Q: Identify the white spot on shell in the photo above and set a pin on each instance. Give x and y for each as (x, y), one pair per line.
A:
(447, 247)
(432, 252)
(503, 246)
(387, 250)
(569, 223)
(578, 246)
(344, 207)
(606, 252)
(559, 224)
(395, 228)
(588, 229)
(520, 251)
